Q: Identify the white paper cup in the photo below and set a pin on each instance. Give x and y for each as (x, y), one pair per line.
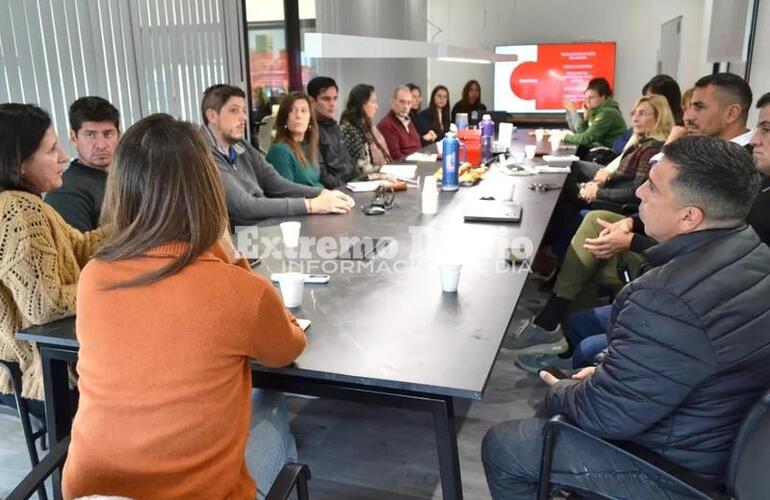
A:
(450, 277)
(503, 190)
(555, 141)
(292, 287)
(539, 134)
(440, 147)
(530, 150)
(290, 234)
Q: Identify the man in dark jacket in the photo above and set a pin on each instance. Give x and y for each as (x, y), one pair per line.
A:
(689, 350)
(94, 131)
(759, 217)
(337, 168)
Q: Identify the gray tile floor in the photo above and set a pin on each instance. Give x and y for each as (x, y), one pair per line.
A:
(365, 452)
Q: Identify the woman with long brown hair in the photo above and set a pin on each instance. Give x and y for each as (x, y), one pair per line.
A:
(365, 144)
(470, 103)
(168, 319)
(294, 151)
(435, 117)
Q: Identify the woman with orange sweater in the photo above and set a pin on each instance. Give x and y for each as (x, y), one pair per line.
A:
(168, 319)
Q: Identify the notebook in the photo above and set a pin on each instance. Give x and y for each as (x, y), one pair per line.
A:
(493, 211)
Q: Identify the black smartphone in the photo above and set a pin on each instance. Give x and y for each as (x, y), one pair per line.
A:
(560, 375)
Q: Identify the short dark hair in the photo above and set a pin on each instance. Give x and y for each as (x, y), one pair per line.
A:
(319, 84)
(733, 86)
(715, 175)
(763, 101)
(22, 127)
(92, 109)
(601, 86)
(216, 96)
(414, 86)
(666, 86)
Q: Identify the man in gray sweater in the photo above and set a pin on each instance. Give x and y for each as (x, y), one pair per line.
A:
(253, 188)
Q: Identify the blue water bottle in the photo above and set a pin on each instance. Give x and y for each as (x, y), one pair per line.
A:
(450, 163)
(487, 127)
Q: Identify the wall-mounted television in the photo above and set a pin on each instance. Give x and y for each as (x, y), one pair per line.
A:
(545, 74)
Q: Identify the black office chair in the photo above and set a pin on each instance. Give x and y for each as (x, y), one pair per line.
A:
(291, 476)
(747, 477)
(30, 436)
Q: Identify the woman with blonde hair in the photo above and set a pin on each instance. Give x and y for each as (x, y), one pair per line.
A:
(651, 121)
(169, 317)
(294, 151)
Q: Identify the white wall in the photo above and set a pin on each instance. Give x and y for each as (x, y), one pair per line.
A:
(402, 19)
(633, 24)
(759, 79)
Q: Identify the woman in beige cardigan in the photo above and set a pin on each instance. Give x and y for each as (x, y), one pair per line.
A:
(40, 254)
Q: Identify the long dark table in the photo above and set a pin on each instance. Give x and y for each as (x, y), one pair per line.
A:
(382, 330)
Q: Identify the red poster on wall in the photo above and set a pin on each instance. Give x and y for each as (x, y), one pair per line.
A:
(544, 75)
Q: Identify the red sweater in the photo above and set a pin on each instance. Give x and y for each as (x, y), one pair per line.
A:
(165, 380)
(400, 141)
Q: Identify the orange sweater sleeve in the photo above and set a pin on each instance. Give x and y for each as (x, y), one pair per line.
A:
(280, 340)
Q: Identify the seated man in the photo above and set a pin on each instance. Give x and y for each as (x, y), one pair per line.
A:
(253, 188)
(689, 350)
(602, 120)
(337, 168)
(397, 128)
(94, 131)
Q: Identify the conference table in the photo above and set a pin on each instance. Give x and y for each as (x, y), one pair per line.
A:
(382, 330)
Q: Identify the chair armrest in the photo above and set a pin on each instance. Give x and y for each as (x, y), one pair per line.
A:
(32, 481)
(646, 460)
(290, 476)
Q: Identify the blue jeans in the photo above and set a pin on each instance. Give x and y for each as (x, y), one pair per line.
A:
(270, 445)
(586, 331)
(511, 454)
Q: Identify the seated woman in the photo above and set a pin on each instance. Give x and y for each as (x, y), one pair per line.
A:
(435, 117)
(364, 142)
(169, 317)
(294, 151)
(602, 120)
(40, 255)
(651, 122)
(470, 103)
(609, 189)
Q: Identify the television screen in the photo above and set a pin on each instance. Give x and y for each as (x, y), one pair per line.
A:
(545, 74)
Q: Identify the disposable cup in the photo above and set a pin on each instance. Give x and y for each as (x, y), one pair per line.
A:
(530, 150)
(450, 277)
(539, 134)
(290, 233)
(555, 141)
(292, 287)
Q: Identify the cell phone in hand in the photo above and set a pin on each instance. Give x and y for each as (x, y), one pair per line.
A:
(558, 374)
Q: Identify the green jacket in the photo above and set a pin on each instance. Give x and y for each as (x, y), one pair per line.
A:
(605, 123)
(287, 164)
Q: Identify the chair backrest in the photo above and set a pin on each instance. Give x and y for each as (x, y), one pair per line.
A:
(747, 476)
(266, 133)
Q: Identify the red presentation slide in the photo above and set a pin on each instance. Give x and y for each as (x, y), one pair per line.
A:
(546, 74)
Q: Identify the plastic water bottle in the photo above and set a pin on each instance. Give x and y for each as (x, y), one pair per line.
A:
(487, 127)
(450, 164)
